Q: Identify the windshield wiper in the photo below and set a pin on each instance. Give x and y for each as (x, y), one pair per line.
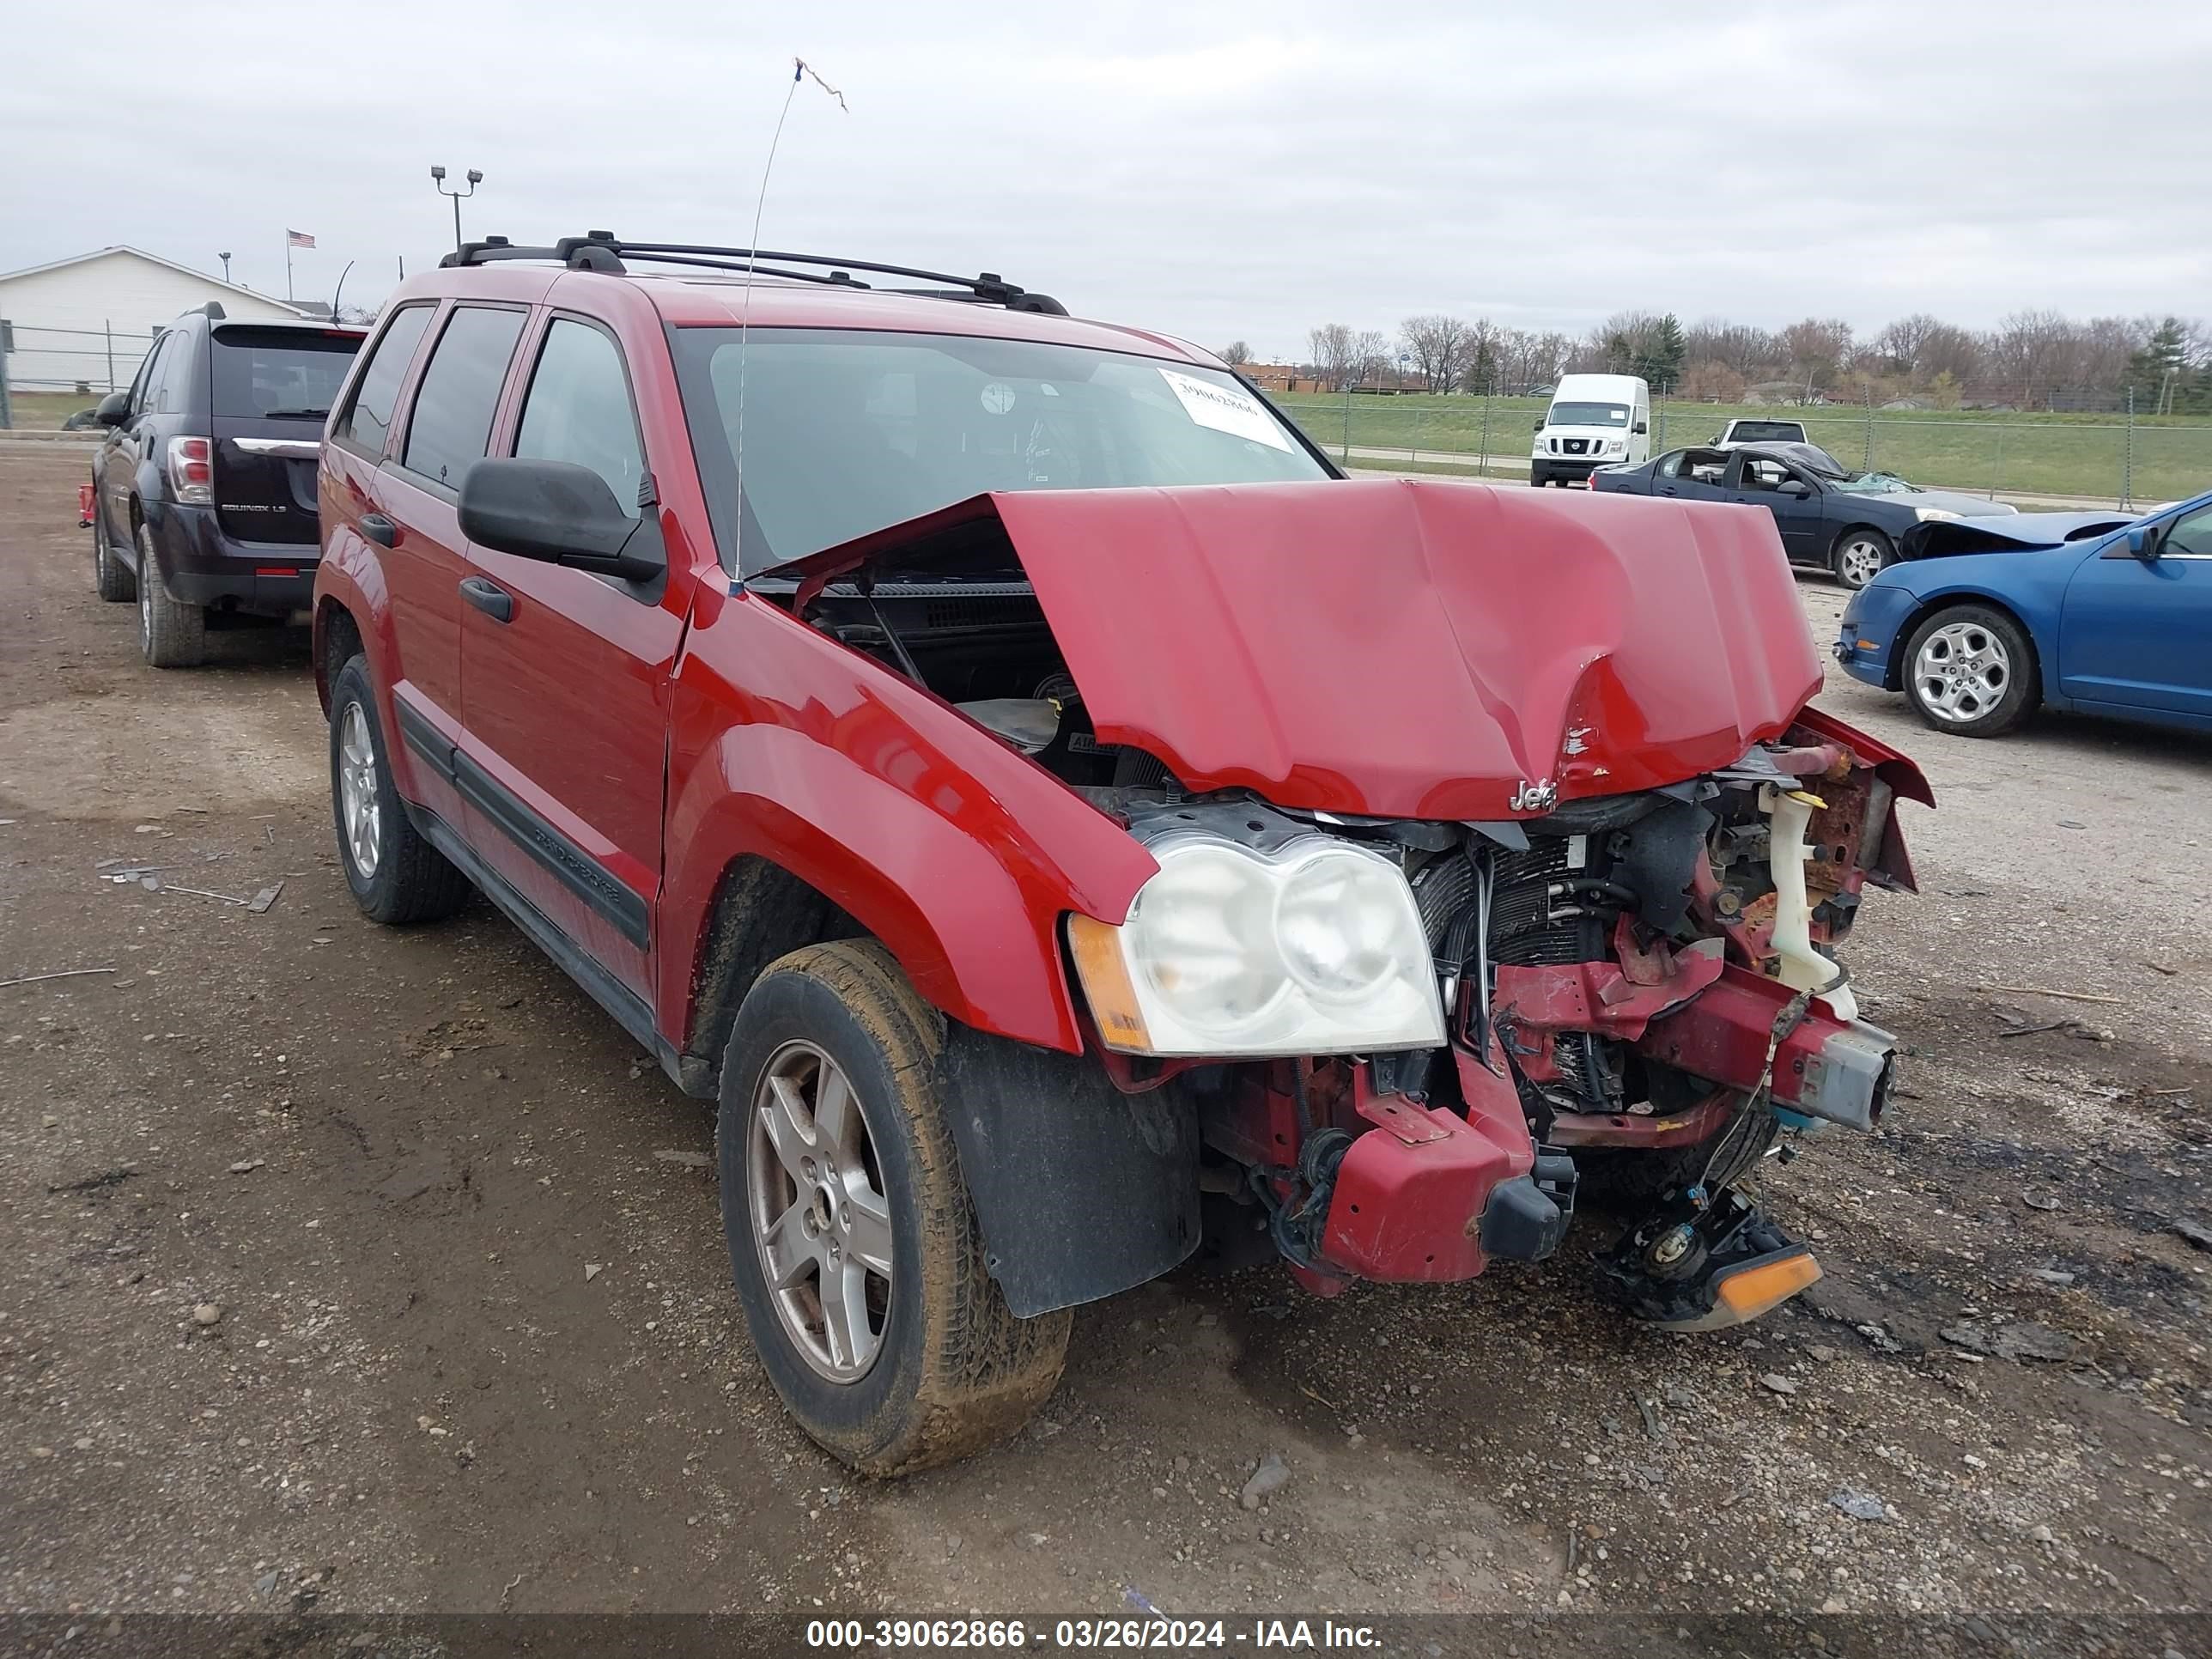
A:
(295, 414)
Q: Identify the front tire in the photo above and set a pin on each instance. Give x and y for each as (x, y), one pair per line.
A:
(111, 577)
(852, 1239)
(1860, 554)
(1970, 671)
(396, 876)
(170, 634)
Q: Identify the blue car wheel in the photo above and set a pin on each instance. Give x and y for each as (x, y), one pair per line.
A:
(1971, 671)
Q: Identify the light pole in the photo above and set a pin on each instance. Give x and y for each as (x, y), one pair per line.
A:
(225, 257)
(438, 178)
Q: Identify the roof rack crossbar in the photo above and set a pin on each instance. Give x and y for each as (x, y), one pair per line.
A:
(603, 251)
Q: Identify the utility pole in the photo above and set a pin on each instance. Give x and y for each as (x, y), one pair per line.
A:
(225, 257)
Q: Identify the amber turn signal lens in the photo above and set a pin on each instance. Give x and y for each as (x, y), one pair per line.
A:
(1750, 1292)
(1105, 979)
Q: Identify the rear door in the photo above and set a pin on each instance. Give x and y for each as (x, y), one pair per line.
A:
(1690, 475)
(2137, 634)
(272, 389)
(565, 679)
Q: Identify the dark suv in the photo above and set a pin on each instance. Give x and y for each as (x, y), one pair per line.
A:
(204, 495)
(1059, 819)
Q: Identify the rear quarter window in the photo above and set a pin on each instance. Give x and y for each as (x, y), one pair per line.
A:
(279, 375)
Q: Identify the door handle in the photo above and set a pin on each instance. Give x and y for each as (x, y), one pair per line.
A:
(490, 598)
(379, 529)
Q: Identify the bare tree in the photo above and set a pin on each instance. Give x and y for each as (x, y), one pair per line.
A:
(1819, 347)
(1235, 352)
(1753, 353)
(1440, 347)
(1899, 344)
(1370, 355)
(1482, 363)
(1335, 352)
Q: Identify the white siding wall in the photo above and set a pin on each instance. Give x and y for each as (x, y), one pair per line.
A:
(136, 297)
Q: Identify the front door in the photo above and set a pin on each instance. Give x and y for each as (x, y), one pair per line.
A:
(566, 679)
(1792, 498)
(2137, 633)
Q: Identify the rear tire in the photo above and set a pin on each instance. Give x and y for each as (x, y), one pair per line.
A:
(170, 634)
(111, 577)
(880, 1324)
(396, 876)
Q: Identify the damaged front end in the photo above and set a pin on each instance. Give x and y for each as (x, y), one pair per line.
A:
(1484, 889)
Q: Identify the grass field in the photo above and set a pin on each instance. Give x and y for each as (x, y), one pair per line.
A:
(45, 411)
(2038, 454)
(2027, 454)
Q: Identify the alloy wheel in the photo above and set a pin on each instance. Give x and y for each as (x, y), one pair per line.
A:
(1961, 672)
(1859, 561)
(360, 807)
(820, 1221)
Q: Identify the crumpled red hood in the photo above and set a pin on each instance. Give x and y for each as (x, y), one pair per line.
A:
(1409, 648)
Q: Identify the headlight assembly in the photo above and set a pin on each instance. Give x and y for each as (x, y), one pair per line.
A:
(1936, 515)
(1312, 948)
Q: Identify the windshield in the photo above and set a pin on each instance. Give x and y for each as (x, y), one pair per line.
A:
(274, 374)
(1874, 483)
(1588, 415)
(1752, 432)
(846, 432)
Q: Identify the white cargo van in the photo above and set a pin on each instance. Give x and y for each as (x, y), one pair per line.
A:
(1595, 420)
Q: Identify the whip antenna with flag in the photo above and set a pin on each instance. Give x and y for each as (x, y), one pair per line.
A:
(801, 70)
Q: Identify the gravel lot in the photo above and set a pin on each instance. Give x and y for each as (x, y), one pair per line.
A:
(378, 1271)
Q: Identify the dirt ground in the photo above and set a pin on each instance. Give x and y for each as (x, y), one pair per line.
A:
(377, 1270)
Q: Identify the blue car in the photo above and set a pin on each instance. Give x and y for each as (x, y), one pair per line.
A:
(2063, 609)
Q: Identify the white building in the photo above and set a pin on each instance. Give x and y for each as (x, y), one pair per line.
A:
(87, 322)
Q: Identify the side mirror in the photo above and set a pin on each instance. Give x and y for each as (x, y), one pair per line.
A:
(112, 409)
(1795, 487)
(1540, 424)
(2142, 544)
(560, 512)
(1640, 428)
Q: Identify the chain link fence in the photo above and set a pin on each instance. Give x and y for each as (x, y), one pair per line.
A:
(2100, 460)
(46, 372)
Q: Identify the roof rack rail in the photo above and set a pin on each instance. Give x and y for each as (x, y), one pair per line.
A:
(602, 251)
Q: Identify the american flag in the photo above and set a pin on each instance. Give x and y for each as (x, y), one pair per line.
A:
(299, 239)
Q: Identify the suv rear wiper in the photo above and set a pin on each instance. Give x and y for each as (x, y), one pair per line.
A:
(290, 414)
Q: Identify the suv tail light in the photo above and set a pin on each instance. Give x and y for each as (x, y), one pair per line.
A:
(192, 471)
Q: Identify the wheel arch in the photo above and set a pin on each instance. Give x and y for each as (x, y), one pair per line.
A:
(1852, 525)
(1952, 600)
(336, 638)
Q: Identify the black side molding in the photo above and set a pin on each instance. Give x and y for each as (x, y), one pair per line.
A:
(571, 866)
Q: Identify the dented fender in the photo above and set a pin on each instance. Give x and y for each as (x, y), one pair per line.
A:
(957, 852)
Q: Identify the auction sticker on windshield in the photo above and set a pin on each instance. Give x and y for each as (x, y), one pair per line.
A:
(1224, 409)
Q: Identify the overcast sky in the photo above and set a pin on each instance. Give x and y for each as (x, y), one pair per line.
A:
(1213, 170)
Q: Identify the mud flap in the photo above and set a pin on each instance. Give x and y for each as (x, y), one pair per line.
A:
(1081, 1191)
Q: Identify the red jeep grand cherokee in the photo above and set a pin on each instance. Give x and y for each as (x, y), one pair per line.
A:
(1059, 818)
